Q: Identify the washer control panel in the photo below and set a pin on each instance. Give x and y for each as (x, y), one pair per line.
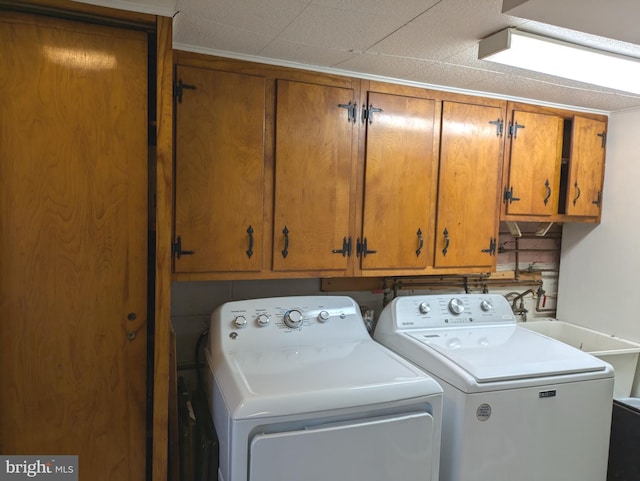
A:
(447, 310)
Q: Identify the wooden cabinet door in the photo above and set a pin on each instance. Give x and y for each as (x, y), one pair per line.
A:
(398, 212)
(534, 164)
(220, 124)
(74, 217)
(313, 176)
(586, 167)
(468, 193)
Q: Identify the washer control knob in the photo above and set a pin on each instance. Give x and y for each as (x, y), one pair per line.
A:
(239, 322)
(263, 320)
(424, 308)
(293, 318)
(486, 305)
(323, 316)
(456, 306)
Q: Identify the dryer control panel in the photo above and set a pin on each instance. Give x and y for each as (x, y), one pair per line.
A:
(281, 321)
(445, 310)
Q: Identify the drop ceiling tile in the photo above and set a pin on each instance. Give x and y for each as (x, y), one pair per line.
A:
(306, 55)
(198, 34)
(399, 11)
(382, 65)
(446, 29)
(264, 17)
(451, 76)
(537, 90)
(338, 29)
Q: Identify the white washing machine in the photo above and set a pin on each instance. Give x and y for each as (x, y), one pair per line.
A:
(517, 405)
(300, 392)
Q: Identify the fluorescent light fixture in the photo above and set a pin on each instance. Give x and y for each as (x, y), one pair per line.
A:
(562, 59)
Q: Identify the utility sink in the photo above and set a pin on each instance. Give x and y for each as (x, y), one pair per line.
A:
(620, 353)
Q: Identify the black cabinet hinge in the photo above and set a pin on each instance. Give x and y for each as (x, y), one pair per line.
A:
(346, 248)
(362, 249)
(176, 249)
(492, 247)
(179, 88)
(499, 126)
(603, 135)
(352, 111)
(367, 113)
(513, 129)
(508, 196)
(598, 201)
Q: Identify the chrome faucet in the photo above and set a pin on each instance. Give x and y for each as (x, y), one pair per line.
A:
(521, 310)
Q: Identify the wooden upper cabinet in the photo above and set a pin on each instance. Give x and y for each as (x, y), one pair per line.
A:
(586, 167)
(220, 175)
(469, 183)
(399, 183)
(314, 180)
(533, 181)
(555, 168)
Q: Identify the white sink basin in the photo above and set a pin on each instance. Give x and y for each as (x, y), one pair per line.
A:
(620, 353)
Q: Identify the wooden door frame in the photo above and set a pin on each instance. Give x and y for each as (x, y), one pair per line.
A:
(164, 202)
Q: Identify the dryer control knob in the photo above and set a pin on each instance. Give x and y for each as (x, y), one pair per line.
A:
(263, 320)
(323, 316)
(456, 306)
(239, 322)
(486, 305)
(293, 318)
(424, 308)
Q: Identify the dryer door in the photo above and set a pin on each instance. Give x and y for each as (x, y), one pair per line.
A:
(375, 449)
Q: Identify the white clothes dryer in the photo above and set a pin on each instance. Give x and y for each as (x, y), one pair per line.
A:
(299, 391)
(517, 405)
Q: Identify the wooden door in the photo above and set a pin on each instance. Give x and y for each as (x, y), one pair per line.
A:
(398, 182)
(469, 185)
(534, 164)
(586, 167)
(73, 274)
(220, 122)
(313, 177)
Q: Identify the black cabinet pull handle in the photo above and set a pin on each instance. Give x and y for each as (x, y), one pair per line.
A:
(546, 199)
(446, 242)
(420, 242)
(577, 194)
(250, 250)
(285, 251)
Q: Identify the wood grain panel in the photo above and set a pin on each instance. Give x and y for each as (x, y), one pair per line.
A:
(586, 167)
(535, 159)
(313, 166)
(470, 164)
(73, 279)
(164, 197)
(220, 127)
(398, 182)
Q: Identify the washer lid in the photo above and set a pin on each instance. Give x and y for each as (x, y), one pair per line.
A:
(318, 378)
(491, 354)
